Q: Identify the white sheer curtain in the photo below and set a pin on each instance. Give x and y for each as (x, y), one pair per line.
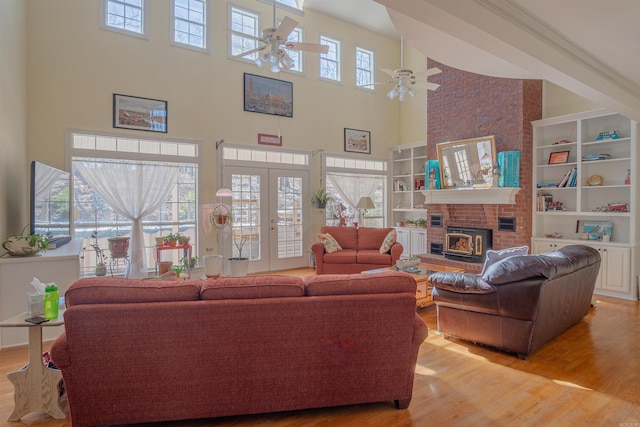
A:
(352, 187)
(45, 177)
(133, 190)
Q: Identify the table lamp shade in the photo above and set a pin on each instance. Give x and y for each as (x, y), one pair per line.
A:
(365, 203)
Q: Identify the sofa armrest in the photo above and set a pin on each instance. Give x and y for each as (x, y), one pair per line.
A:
(461, 283)
(318, 251)
(60, 352)
(395, 251)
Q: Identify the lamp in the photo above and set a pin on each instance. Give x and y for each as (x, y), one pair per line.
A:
(224, 192)
(363, 204)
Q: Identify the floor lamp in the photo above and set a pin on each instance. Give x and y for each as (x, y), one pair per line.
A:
(363, 204)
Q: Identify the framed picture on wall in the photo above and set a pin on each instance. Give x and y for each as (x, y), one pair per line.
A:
(268, 96)
(134, 112)
(357, 141)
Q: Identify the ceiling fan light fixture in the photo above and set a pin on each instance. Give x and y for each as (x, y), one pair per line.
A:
(393, 92)
(286, 60)
(261, 60)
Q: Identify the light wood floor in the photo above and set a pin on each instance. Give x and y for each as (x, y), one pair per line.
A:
(589, 376)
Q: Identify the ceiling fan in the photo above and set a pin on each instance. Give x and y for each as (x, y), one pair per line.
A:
(274, 41)
(405, 79)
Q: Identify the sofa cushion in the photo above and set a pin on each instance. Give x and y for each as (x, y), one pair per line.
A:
(373, 256)
(347, 237)
(352, 284)
(388, 241)
(330, 244)
(345, 256)
(107, 290)
(495, 256)
(252, 287)
(371, 238)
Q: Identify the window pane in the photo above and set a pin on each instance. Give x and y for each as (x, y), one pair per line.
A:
(190, 22)
(125, 15)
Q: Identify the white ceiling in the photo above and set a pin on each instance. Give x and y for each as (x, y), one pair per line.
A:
(591, 47)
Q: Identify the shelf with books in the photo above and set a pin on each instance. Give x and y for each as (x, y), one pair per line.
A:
(602, 155)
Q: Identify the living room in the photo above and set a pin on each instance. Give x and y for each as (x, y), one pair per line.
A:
(63, 70)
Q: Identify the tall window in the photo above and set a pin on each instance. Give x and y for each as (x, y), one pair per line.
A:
(296, 55)
(126, 16)
(189, 22)
(364, 68)
(330, 61)
(178, 212)
(348, 180)
(246, 22)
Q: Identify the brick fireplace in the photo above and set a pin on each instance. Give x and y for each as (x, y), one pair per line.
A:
(468, 105)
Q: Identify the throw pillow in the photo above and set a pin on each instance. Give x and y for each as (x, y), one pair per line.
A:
(495, 256)
(388, 241)
(329, 242)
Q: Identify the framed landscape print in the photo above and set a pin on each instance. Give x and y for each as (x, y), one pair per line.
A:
(134, 112)
(357, 141)
(268, 96)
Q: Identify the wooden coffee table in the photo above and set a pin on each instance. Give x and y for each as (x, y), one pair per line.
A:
(421, 276)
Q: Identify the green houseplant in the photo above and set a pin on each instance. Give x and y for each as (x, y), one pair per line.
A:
(320, 198)
(30, 244)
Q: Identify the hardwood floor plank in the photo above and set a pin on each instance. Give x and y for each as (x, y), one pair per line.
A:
(589, 376)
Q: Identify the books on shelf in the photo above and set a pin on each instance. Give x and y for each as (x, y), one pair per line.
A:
(591, 157)
(569, 178)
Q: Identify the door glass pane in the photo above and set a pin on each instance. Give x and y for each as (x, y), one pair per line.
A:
(289, 217)
(245, 210)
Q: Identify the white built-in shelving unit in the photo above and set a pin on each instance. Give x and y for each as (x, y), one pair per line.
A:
(578, 134)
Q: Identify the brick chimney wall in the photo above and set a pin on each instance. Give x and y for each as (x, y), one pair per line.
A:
(468, 105)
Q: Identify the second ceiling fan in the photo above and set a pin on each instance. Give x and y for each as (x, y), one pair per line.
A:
(405, 79)
(274, 42)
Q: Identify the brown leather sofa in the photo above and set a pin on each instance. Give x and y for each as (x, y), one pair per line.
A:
(360, 250)
(519, 303)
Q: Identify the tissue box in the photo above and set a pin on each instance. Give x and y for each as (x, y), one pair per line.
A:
(35, 304)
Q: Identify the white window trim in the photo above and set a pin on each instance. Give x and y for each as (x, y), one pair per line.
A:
(230, 7)
(373, 69)
(145, 20)
(286, 8)
(207, 21)
(339, 60)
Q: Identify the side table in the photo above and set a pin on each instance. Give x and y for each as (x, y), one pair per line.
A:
(187, 254)
(36, 386)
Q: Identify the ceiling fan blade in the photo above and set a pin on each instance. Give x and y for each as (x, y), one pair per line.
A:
(429, 72)
(246, 36)
(308, 47)
(432, 86)
(287, 25)
(388, 71)
(249, 52)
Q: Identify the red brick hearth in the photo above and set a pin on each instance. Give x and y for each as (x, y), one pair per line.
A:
(468, 105)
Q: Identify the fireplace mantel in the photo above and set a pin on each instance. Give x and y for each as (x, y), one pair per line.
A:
(472, 196)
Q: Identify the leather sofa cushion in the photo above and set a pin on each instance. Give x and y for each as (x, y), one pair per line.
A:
(252, 287)
(107, 290)
(371, 238)
(352, 284)
(461, 282)
(373, 256)
(345, 256)
(347, 237)
(549, 265)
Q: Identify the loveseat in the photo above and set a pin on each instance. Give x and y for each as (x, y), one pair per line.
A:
(359, 250)
(520, 302)
(138, 351)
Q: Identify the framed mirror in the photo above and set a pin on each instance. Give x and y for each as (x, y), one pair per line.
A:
(467, 163)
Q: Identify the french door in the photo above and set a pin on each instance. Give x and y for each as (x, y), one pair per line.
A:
(271, 219)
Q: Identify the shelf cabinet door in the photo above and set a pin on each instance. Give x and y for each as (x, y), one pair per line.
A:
(404, 238)
(542, 246)
(614, 269)
(418, 242)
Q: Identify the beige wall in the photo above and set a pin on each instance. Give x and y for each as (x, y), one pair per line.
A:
(14, 171)
(75, 67)
(558, 101)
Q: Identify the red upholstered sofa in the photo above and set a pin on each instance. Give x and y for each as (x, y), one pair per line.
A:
(137, 351)
(360, 250)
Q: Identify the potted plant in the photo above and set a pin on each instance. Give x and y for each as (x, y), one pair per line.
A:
(238, 266)
(26, 245)
(320, 198)
(119, 246)
(171, 239)
(101, 258)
